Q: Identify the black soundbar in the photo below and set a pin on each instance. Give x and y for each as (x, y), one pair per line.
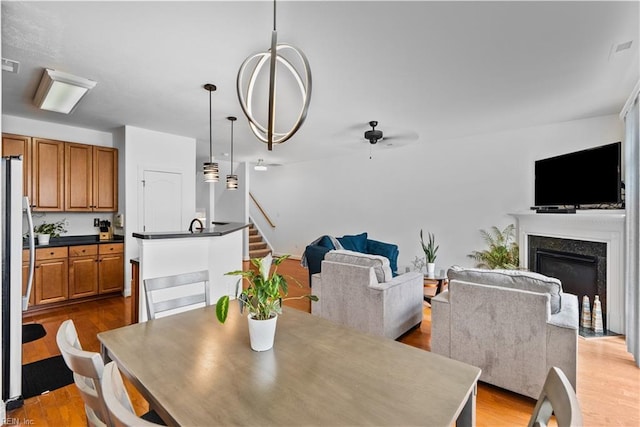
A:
(552, 209)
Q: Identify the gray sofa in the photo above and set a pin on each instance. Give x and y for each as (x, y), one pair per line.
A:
(514, 325)
(359, 291)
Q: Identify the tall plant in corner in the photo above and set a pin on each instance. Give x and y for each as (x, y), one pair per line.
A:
(503, 251)
(430, 250)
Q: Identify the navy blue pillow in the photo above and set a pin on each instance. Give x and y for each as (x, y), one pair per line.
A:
(356, 243)
(387, 250)
(326, 242)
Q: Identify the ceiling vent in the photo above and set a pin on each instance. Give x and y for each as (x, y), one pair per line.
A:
(10, 66)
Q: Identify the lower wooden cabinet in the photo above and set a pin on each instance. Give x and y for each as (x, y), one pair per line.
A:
(51, 278)
(111, 268)
(72, 272)
(83, 271)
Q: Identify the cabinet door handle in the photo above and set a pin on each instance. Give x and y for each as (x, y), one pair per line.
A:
(51, 253)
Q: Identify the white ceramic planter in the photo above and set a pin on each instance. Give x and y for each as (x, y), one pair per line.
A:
(431, 269)
(262, 333)
(43, 239)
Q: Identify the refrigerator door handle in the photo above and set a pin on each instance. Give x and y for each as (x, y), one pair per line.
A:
(32, 253)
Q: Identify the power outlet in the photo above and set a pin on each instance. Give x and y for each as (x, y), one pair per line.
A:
(96, 222)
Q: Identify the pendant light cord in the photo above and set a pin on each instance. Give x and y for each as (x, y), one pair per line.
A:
(231, 147)
(274, 15)
(210, 139)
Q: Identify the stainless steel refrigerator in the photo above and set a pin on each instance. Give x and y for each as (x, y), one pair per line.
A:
(14, 300)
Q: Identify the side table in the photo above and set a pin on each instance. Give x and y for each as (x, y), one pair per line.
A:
(437, 281)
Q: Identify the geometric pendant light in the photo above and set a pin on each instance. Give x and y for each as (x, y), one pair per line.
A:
(210, 168)
(232, 180)
(245, 86)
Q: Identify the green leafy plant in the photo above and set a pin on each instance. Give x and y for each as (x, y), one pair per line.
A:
(264, 296)
(52, 228)
(503, 251)
(430, 249)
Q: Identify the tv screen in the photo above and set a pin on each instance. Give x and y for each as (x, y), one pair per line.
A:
(587, 177)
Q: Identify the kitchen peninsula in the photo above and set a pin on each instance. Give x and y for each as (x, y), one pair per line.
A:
(218, 249)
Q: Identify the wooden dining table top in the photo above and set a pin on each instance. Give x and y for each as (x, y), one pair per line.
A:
(197, 372)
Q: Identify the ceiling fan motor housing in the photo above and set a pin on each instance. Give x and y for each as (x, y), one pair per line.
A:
(373, 135)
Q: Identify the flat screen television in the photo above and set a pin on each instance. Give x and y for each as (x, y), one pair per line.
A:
(587, 177)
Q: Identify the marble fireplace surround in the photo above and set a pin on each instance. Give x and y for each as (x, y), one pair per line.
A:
(605, 226)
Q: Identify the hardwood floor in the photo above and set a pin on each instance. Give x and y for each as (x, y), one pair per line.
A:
(608, 381)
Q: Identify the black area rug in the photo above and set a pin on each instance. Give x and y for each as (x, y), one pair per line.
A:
(45, 375)
(32, 332)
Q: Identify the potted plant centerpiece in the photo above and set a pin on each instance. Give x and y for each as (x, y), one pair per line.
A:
(430, 250)
(46, 230)
(263, 299)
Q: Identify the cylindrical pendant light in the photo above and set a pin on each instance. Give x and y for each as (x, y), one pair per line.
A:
(232, 180)
(210, 168)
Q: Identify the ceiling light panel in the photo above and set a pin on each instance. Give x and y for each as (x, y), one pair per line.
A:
(61, 92)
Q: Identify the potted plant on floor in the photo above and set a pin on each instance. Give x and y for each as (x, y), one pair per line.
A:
(46, 230)
(503, 251)
(430, 250)
(263, 299)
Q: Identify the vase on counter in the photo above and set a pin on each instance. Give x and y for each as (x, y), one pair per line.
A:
(43, 239)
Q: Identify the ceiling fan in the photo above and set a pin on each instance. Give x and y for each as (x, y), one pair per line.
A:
(373, 135)
(376, 136)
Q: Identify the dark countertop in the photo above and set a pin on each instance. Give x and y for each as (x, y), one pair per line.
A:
(217, 229)
(91, 239)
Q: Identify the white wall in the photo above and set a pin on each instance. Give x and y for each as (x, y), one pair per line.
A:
(452, 188)
(146, 149)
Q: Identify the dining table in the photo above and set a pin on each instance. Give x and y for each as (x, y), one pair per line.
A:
(195, 371)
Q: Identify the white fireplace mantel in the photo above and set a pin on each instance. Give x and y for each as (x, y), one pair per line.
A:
(606, 226)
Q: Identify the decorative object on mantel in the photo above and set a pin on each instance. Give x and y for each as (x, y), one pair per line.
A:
(267, 134)
(210, 168)
(585, 319)
(46, 230)
(430, 250)
(596, 320)
(232, 180)
(263, 299)
(503, 251)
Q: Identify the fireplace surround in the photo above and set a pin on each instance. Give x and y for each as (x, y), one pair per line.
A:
(587, 233)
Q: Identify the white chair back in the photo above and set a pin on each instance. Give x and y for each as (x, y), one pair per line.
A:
(559, 398)
(152, 286)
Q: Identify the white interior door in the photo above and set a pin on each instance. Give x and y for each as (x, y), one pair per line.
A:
(162, 201)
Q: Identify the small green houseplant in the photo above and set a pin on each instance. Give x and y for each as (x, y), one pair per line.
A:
(503, 251)
(47, 230)
(262, 298)
(430, 252)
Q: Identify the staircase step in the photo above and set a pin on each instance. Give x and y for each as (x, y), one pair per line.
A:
(259, 253)
(253, 232)
(255, 238)
(257, 245)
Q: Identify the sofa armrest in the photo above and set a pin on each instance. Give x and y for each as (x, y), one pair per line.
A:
(568, 315)
(441, 324)
(316, 306)
(411, 277)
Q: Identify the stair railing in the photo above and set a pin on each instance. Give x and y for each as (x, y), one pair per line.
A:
(264, 214)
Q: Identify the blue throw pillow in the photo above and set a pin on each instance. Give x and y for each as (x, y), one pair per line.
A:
(356, 243)
(387, 250)
(326, 242)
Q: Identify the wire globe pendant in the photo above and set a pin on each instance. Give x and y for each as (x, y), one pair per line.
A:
(246, 87)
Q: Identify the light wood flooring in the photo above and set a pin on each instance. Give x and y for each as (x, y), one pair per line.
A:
(608, 381)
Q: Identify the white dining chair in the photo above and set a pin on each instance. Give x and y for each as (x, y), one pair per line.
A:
(117, 400)
(168, 284)
(87, 368)
(559, 398)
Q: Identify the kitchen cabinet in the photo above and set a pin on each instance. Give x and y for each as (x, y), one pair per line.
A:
(48, 175)
(83, 271)
(91, 178)
(18, 145)
(110, 267)
(51, 278)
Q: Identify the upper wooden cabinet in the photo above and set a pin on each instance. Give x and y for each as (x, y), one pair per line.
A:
(66, 176)
(91, 178)
(48, 175)
(105, 179)
(18, 145)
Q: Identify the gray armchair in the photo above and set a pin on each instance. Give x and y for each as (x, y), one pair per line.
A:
(514, 325)
(358, 290)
